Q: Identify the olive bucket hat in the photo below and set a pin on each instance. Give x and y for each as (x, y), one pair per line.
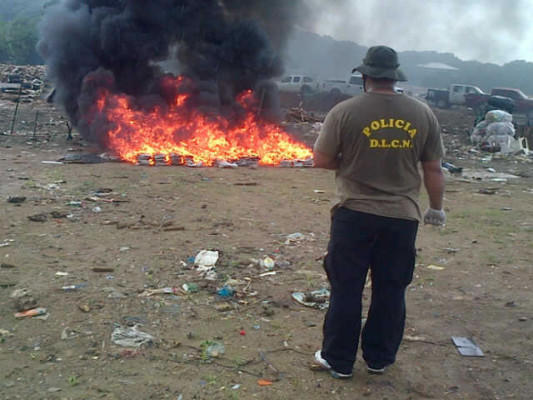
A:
(381, 62)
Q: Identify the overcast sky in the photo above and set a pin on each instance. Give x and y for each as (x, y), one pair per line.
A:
(495, 31)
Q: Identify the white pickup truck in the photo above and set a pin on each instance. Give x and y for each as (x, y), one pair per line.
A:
(298, 84)
(351, 86)
(445, 98)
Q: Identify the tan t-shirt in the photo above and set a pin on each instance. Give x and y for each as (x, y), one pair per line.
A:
(381, 138)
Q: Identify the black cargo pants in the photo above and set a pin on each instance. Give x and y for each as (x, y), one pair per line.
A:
(359, 242)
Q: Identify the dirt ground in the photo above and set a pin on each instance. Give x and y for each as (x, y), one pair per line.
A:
(119, 231)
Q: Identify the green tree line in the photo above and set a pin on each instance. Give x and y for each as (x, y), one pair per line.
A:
(18, 39)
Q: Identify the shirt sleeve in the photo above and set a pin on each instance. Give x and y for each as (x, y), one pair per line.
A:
(328, 141)
(433, 148)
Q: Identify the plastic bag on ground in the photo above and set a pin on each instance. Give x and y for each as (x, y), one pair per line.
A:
(206, 258)
(131, 337)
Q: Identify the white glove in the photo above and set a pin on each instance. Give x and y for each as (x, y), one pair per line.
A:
(435, 217)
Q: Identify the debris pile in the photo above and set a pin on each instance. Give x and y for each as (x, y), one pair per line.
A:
(28, 81)
(496, 133)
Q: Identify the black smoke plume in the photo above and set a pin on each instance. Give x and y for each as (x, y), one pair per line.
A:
(223, 47)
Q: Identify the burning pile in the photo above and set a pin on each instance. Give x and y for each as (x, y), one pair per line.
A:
(178, 135)
(216, 105)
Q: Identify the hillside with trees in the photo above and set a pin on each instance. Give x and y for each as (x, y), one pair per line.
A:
(18, 30)
(325, 57)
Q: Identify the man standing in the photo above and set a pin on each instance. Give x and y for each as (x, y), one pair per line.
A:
(375, 142)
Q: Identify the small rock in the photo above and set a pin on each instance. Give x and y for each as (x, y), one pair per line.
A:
(16, 199)
(23, 300)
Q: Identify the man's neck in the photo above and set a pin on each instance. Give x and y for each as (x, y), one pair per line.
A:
(385, 90)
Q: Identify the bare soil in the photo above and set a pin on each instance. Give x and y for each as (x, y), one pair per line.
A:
(143, 226)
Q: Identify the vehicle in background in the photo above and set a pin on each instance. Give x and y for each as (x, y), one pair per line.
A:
(302, 84)
(523, 103)
(454, 95)
(351, 86)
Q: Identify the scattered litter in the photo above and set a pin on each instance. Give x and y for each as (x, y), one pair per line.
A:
(410, 338)
(206, 258)
(61, 273)
(224, 307)
(5, 333)
(84, 307)
(271, 273)
(115, 294)
(485, 175)
(268, 263)
(214, 349)
(131, 337)
(452, 168)
(318, 191)
(190, 287)
(246, 184)
(295, 237)
(42, 217)
(102, 269)
(488, 190)
(152, 292)
(72, 288)
(68, 333)
(34, 312)
(97, 210)
(242, 332)
(316, 299)
(264, 382)
(205, 262)
(436, 268)
(226, 292)
(83, 158)
(299, 237)
(23, 300)
(467, 347)
(16, 199)
(52, 162)
(449, 250)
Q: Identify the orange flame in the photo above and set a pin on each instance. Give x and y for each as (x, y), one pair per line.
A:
(192, 135)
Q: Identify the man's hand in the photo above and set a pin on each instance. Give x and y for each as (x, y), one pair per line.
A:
(435, 217)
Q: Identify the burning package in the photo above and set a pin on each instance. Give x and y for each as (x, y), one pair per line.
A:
(161, 160)
(145, 159)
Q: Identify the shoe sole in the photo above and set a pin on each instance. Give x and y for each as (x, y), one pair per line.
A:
(321, 365)
(375, 371)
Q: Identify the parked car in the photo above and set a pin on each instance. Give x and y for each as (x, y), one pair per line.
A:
(455, 94)
(298, 84)
(523, 103)
(351, 86)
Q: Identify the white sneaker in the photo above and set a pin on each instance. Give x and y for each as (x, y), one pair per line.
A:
(375, 371)
(324, 366)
